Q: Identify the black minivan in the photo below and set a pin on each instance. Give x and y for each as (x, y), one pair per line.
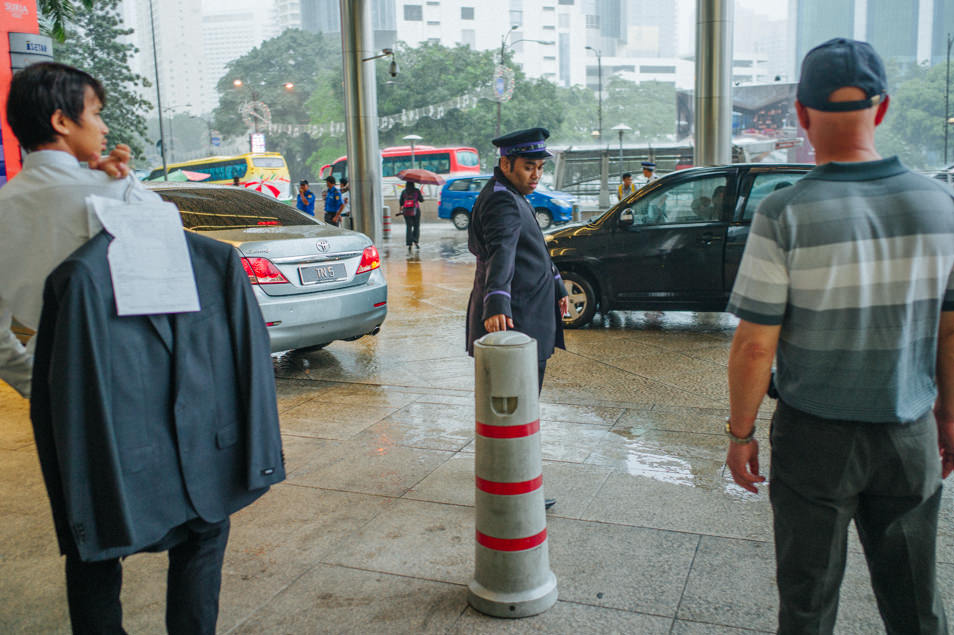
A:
(673, 245)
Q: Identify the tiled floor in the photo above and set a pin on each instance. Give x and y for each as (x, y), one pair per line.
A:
(373, 530)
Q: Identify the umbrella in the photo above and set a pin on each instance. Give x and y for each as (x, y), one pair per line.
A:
(420, 175)
(195, 176)
(175, 176)
(265, 187)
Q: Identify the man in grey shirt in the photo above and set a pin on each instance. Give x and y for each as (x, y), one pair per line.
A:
(43, 209)
(847, 275)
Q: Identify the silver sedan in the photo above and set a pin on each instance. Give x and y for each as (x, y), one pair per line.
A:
(314, 282)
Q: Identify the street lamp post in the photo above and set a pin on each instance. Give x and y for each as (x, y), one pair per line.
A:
(947, 96)
(155, 61)
(503, 50)
(238, 83)
(172, 133)
(412, 139)
(599, 111)
(621, 128)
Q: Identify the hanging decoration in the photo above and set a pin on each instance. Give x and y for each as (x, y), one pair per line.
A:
(404, 118)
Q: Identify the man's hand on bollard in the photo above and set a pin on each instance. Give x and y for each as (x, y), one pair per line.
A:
(499, 322)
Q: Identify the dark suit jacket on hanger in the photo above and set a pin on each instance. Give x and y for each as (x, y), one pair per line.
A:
(145, 422)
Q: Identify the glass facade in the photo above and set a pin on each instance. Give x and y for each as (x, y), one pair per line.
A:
(942, 25)
(893, 29)
(819, 21)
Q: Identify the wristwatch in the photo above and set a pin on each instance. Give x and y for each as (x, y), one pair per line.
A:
(735, 439)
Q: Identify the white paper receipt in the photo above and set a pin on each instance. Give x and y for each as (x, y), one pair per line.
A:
(148, 257)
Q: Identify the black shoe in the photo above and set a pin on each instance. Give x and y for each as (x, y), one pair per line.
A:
(548, 503)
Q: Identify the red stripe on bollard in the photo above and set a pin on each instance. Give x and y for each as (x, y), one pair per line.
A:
(509, 489)
(511, 544)
(508, 432)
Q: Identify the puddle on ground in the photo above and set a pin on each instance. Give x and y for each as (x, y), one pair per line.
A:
(649, 460)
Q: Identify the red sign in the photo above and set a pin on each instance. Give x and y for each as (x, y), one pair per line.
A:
(16, 16)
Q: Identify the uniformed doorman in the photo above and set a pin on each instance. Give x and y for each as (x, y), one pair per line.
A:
(649, 172)
(516, 285)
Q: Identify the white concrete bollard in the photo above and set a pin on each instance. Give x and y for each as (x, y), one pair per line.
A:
(512, 576)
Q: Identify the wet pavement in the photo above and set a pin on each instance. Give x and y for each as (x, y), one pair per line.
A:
(373, 530)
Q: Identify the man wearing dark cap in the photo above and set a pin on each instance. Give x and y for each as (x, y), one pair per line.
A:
(848, 276)
(516, 285)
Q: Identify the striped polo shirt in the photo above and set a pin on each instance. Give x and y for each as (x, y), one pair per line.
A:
(855, 262)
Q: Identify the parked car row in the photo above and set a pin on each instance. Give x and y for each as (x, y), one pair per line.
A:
(459, 194)
(314, 282)
(675, 244)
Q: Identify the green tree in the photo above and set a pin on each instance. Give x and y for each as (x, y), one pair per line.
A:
(914, 126)
(95, 42)
(432, 73)
(292, 57)
(56, 14)
(648, 108)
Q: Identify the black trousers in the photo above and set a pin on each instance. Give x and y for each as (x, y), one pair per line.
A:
(886, 478)
(192, 590)
(330, 218)
(412, 229)
(541, 368)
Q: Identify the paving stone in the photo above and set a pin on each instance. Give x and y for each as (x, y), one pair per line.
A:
(620, 567)
(329, 599)
(564, 617)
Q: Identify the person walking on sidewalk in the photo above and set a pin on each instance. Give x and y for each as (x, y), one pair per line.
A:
(849, 276)
(411, 199)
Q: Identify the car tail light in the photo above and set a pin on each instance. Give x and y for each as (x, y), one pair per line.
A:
(262, 271)
(369, 260)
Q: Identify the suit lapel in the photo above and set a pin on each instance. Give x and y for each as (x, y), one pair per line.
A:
(164, 329)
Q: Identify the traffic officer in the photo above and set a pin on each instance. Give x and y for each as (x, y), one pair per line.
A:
(306, 198)
(649, 172)
(516, 285)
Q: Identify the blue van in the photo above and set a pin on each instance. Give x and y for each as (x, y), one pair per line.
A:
(459, 193)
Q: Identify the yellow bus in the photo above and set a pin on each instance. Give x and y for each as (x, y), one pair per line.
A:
(268, 167)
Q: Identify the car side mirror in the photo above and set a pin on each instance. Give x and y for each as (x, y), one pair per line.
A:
(626, 217)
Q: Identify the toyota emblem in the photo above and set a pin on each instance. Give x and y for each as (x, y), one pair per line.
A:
(322, 245)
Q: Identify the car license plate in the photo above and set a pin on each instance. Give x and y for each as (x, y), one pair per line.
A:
(322, 273)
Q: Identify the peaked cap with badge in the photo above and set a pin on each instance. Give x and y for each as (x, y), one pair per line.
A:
(529, 144)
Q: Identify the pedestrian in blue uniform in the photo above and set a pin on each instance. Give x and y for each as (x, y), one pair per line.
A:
(306, 198)
(332, 202)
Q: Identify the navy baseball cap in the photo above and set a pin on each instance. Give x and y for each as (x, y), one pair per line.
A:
(530, 144)
(839, 63)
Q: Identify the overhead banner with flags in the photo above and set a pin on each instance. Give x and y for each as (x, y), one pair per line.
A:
(404, 118)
